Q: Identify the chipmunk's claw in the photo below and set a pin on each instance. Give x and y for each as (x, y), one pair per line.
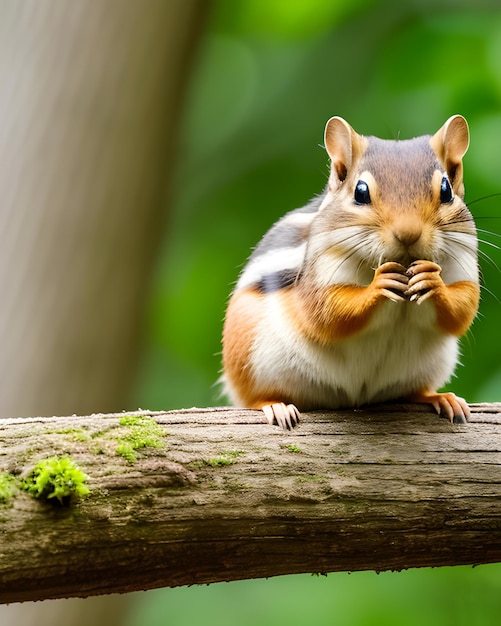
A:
(456, 409)
(284, 415)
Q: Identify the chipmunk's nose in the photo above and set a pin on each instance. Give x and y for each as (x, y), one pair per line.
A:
(408, 233)
(407, 236)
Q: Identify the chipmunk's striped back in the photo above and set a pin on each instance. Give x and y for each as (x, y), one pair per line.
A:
(278, 258)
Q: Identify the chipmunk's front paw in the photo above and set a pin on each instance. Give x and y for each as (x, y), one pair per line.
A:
(454, 407)
(424, 280)
(285, 415)
(391, 281)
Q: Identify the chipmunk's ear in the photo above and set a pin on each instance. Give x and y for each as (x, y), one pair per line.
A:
(450, 144)
(344, 146)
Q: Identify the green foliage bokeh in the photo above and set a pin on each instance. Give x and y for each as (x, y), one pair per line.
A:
(269, 75)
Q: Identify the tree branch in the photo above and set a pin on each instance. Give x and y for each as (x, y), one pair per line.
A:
(228, 497)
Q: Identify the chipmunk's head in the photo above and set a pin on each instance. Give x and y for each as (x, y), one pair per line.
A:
(398, 200)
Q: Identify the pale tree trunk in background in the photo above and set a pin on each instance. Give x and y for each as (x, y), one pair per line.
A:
(89, 112)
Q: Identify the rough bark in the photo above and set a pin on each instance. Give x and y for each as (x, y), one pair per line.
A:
(228, 497)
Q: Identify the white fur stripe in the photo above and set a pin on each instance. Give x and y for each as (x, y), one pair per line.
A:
(270, 262)
(296, 218)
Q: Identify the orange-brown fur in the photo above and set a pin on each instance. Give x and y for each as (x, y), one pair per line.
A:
(244, 311)
(333, 313)
(456, 306)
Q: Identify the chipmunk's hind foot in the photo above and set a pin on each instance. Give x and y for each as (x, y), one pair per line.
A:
(284, 415)
(456, 409)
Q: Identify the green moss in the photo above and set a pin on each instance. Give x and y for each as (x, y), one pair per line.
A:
(219, 461)
(137, 432)
(56, 477)
(132, 433)
(232, 454)
(101, 433)
(77, 434)
(292, 448)
(227, 457)
(7, 487)
(127, 450)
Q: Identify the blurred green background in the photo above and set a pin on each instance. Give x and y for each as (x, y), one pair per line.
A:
(269, 75)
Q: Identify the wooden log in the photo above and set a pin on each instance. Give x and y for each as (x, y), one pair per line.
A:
(228, 497)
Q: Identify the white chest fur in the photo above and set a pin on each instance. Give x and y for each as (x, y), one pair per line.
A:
(398, 353)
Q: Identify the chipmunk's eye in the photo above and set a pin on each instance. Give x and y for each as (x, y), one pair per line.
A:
(362, 195)
(446, 195)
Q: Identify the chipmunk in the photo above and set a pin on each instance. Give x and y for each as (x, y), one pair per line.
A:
(361, 295)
